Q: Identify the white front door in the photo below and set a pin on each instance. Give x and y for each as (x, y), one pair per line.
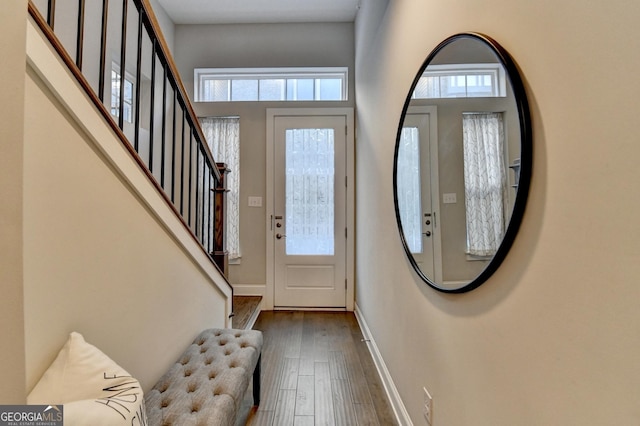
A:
(418, 189)
(309, 221)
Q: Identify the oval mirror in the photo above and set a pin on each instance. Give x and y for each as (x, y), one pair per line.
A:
(462, 162)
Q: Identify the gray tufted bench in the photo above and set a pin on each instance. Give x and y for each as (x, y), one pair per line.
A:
(207, 384)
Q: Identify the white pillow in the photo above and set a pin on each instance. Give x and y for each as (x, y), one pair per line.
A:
(93, 389)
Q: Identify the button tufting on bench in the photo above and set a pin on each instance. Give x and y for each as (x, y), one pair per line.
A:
(207, 383)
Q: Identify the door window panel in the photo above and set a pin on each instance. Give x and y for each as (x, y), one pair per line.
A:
(309, 181)
(409, 188)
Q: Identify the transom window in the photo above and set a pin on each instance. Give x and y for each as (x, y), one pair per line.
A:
(270, 84)
(462, 81)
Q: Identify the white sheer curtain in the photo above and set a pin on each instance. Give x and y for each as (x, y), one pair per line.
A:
(223, 137)
(485, 181)
(310, 181)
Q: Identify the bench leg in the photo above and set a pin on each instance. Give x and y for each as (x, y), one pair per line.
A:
(256, 382)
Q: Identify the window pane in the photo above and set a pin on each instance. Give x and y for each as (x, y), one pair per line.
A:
(272, 90)
(300, 89)
(330, 89)
(216, 90)
(128, 91)
(408, 188)
(480, 86)
(115, 93)
(309, 191)
(128, 101)
(127, 112)
(244, 90)
(427, 88)
(452, 86)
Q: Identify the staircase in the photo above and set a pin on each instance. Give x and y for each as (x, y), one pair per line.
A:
(245, 311)
(117, 53)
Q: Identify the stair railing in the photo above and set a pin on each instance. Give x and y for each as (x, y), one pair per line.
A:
(119, 56)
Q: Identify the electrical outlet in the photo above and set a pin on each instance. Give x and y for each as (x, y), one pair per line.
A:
(428, 407)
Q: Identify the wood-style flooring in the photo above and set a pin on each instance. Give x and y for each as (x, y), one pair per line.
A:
(316, 370)
(245, 311)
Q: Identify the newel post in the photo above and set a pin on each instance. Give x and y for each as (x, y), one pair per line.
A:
(219, 253)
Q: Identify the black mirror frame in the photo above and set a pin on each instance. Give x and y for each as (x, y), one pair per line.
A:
(526, 160)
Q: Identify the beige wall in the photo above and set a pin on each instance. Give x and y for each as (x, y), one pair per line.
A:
(12, 50)
(552, 337)
(166, 24)
(103, 253)
(274, 45)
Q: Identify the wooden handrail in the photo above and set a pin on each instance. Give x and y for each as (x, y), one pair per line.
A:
(164, 55)
(164, 48)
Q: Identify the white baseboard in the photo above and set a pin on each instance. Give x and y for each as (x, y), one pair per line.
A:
(402, 416)
(249, 289)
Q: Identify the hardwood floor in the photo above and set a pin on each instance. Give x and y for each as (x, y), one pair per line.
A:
(317, 371)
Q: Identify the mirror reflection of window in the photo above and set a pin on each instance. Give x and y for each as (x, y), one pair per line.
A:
(409, 188)
(485, 181)
(462, 81)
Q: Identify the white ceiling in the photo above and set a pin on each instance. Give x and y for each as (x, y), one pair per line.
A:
(259, 11)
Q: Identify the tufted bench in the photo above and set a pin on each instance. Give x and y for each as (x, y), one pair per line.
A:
(207, 384)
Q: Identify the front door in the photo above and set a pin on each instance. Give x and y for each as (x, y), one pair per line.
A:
(418, 192)
(309, 206)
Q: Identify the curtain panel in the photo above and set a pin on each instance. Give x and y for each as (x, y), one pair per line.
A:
(223, 138)
(485, 181)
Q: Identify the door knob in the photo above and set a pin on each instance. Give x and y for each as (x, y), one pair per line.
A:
(280, 236)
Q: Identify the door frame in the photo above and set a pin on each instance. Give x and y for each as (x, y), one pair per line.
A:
(432, 112)
(272, 114)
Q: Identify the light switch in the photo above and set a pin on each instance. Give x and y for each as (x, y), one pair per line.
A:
(255, 201)
(449, 198)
